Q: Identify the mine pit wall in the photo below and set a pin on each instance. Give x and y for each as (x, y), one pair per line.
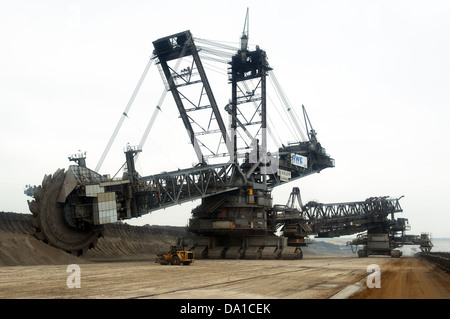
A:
(16, 223)
(120, 241)
(123, 241)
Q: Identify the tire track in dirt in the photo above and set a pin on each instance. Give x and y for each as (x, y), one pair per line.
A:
(221, 284)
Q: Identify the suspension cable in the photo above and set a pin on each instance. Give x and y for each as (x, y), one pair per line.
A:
(124, 115)
(287, 105)
(158, 106)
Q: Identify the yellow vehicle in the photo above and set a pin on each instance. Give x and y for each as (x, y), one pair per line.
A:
(176, 256)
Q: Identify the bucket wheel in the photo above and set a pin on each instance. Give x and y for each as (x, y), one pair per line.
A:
(49, 220)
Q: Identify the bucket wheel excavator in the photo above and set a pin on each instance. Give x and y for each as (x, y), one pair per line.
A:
(236, 218)
(70, 206)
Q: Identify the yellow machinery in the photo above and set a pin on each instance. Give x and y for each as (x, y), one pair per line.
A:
(176, 256)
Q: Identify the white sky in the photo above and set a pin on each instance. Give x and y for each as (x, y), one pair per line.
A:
(373, 75)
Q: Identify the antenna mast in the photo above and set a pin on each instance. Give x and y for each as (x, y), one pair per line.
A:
(245, 33)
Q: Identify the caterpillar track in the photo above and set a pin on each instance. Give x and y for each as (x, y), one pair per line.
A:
(253, 252)
(274, 248)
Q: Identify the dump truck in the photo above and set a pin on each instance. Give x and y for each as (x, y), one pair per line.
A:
(176, 256)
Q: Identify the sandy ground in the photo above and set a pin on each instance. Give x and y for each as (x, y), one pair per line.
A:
(122, 266)
(311, 278)
(409, 278)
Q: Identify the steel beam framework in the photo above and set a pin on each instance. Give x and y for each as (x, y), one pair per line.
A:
(181, 46)
(337, 219)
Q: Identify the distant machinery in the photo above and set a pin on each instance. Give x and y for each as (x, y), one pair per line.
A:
(372, 219)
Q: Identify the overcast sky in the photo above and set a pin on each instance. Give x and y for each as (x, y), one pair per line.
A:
(373, 75)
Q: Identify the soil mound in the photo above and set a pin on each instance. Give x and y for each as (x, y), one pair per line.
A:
(120, 242)
(18, 246)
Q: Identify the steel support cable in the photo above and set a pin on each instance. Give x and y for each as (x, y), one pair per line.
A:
(274, 139)
(124, 115)
(160, 102)
(212, 50)
(288, 108)
(213, 67)
(221, 53)
(280, 141)
(287, 105)
(290, 126)
(212, 56)
(281, 95)
(218, 44)
(216, 52)
(150, 124)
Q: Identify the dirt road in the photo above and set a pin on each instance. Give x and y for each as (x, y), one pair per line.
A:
(409, 278)
(310, 278)
(122, 266)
